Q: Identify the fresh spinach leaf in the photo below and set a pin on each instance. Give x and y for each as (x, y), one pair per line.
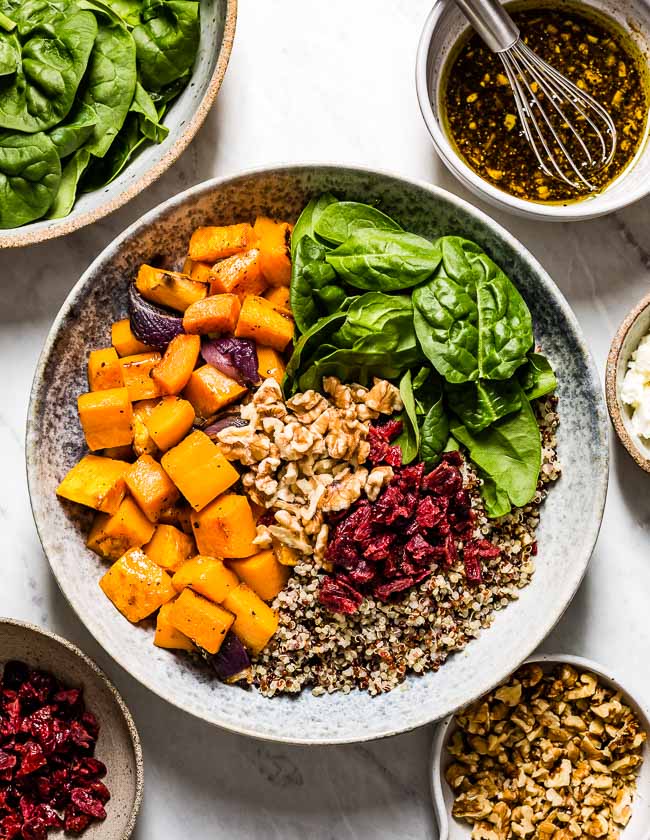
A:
(434, 432)
(509, 451)
(70, 177)
(167, 40)
(349, 365)
(387, 318)
(128, 10)
(495, 500)
(148, 119)
(6, 23)
(30, 172)
(103, 171)
(309, 274)
(72, 134)
(307, 345)
(54, 40)
(9, 53)
(384, 260)
(537, 377)
(479, 404)
(308, 218)
(409, 438)
(338, 221)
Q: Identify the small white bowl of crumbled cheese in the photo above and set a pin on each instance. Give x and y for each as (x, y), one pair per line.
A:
(627, 383)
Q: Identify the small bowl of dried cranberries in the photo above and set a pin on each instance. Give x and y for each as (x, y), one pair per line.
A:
(70, 755)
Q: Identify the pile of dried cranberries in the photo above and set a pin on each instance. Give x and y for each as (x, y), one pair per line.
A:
(418, 524)
(48, 776)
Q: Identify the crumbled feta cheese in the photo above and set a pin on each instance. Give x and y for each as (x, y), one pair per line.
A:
(635, 390)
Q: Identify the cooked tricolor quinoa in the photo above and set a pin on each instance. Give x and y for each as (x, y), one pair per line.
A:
(377, 646)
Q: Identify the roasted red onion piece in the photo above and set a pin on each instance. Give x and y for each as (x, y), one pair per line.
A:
(231, 663)
(236, 357)
(151, 324)
(223, 423)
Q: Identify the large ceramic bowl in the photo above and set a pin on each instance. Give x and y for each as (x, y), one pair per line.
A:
(118, 745)
(185, 117)
(571, 516)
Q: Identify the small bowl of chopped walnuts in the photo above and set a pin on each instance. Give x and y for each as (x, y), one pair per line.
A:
(557, 751)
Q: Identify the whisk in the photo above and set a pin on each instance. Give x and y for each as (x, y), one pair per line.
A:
(549, 106)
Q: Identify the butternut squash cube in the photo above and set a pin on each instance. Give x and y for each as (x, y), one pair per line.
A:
(151, 487)
(226, 527)
(201, 620)
(169, 547)
(209, 390)
(173, 371)
(199, 271)
(270, 363)
(209, 244)
(178, 515)
(262, 573)
(278, 297)
(208, 576)
(214, 314)
(136, 586)
(169, 421)
(95, 482)
(104, 370)
(264, 324)
(284, 554)
(143, 443)
(274, 242)
(169, 288)
(137, 371)
(239, 275)
(167, 636)
(255, 622)
(113, 534)
(124, 341)
(199, 470)
(106, 418)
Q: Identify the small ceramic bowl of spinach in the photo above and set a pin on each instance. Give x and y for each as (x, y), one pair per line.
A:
(97, 99)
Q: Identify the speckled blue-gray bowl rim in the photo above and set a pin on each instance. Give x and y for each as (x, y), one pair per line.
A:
(94, 673)
(595, 485)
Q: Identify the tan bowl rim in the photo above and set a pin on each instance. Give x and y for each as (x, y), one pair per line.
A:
(613, 404)
(21, 236)
(97, 671)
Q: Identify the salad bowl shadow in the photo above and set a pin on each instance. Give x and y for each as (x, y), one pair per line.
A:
(450, 829)
(571, 515)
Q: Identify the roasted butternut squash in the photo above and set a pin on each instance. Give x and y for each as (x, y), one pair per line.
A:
(255, 622)
(209, 390)
(239, 275)
(214, 314)
(113, 534)
(199, 470)
(270, 363)
(104, 370)
(262, 573)
(201, 620)
(95, 482)
(169, 547)
(278, 297)
(284, 554)
(136, 586)
(225, 528)
(167, 636)
(169, 288)
(137, 371)
(151, 487)
(173, 371)
(208, 576)
(143, 443)
(178, 515)
(274, 243)
(124, 341)
(209, 244)
(199, 271)
(106, 418)
(169, 421)
(264, 324)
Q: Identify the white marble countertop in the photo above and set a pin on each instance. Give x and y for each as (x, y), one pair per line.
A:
(352, 62)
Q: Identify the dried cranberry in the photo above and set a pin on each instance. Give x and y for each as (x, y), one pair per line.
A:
(378, 547)
(385, 590)
(87, 768)
(410, 478)
(338, 596)
(85, 802)
(100, 790)
(419, 549)
(75, 821)
(10, 826)
(428, 514)
(32, 759)
(362, 573)
(445, 480)
(393, 456)
(472, 564)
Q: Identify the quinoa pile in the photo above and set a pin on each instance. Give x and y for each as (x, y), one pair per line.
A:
(375, 648)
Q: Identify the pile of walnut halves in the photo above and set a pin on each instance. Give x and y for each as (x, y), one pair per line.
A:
(548, 756)
(306, 457)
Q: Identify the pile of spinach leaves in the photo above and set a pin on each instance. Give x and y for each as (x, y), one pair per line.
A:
(441, 320)
(84, 85)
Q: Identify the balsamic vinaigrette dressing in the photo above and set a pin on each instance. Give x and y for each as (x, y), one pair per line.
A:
(590, 50)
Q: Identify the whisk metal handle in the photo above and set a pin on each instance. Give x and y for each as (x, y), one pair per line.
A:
(491, 22)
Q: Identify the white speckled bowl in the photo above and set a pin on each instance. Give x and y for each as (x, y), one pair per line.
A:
(571, 516)
(118, 745)
(184, 118)
(639, 826)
